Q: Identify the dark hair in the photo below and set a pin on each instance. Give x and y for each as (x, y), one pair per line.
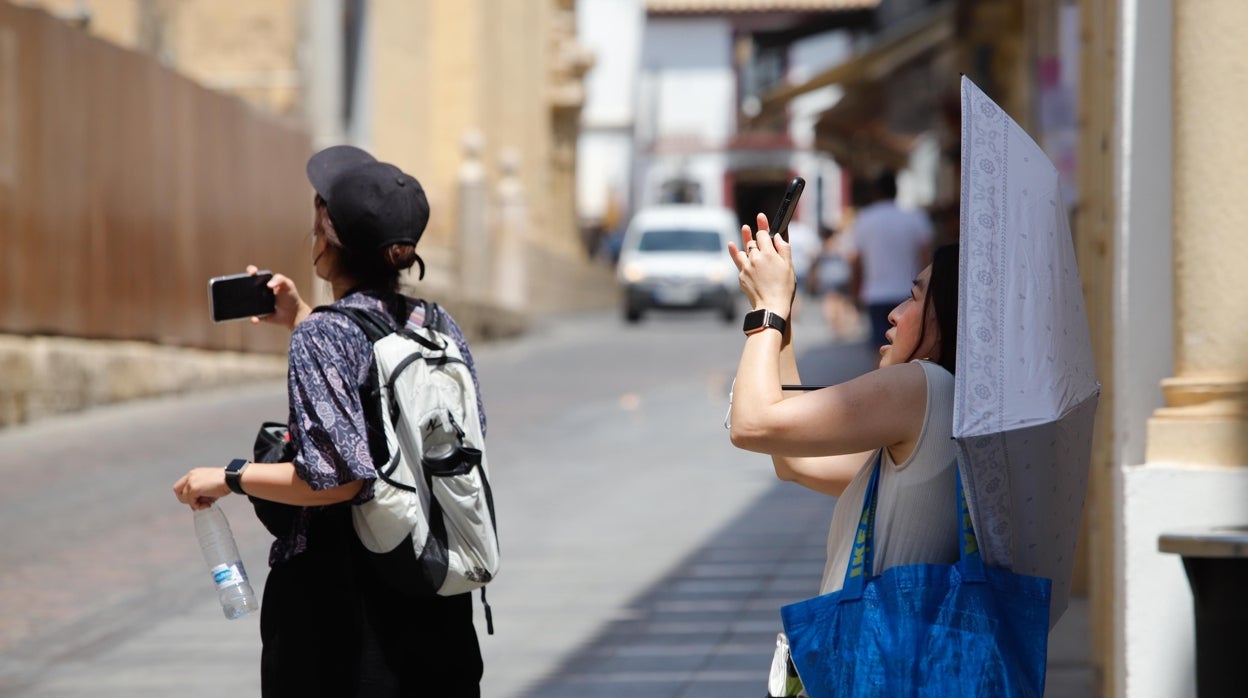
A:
(368, 269)
(861, 192)
(886, 185)
(942, 300)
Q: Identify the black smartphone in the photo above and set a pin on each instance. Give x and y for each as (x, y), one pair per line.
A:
(780, 224)
(239, 296)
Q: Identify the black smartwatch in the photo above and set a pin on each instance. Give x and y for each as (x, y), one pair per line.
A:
(234, 475)
(761, 319)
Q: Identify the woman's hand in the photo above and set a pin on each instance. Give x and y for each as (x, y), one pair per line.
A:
(200, 487)
(289, 308)
(766, 266)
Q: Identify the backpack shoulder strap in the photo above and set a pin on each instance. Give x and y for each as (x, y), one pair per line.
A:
(368, 323)
(436, 317)
(434, 326)
(375, 329)
(439, 321)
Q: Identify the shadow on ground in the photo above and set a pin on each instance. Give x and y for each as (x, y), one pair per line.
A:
(709, 627)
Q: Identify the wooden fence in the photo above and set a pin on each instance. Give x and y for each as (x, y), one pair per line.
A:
(125, 186)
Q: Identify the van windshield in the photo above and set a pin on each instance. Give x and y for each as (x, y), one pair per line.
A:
(680, 241)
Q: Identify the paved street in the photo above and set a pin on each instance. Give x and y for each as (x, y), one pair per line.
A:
(643, 555)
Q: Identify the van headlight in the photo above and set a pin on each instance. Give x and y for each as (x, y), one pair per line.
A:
(633, 273)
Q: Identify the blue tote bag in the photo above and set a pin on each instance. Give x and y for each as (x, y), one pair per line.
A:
(962, 630)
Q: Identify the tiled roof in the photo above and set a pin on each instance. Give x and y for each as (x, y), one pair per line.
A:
(735, 6)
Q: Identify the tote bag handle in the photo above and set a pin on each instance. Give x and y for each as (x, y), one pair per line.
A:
(862, 557)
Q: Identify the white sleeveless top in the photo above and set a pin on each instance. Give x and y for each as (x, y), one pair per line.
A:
(916, 510)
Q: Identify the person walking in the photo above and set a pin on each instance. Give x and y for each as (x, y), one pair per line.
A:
(832, 279)
(891, 246)
(329, 624)
(805, 244)
(828, 440)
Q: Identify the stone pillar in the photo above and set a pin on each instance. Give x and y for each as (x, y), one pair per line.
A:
(1205, 420)
(321, 70)
(569, 63)
(472, 234)
(511, 260)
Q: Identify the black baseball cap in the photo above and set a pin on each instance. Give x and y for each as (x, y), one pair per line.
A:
(372, 204)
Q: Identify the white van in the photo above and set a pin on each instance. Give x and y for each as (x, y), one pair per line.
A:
(676, 257)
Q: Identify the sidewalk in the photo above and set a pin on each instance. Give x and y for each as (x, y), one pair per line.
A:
(708, 629)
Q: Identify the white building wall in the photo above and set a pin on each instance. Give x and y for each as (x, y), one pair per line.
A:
(694, 104)
(612, 29)
(685, 106)
(1144, 310)
(604, 164)
(1159, 658)
(688, 63)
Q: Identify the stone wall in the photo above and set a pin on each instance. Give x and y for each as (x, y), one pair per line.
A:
(44, 376)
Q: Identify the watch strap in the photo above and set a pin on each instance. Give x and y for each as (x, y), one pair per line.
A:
(234, 475)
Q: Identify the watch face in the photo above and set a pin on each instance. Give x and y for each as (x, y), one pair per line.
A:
(757, 320)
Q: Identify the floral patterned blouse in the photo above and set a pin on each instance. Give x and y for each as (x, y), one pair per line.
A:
(329, 362)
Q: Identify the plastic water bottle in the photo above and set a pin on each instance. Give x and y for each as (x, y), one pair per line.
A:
(220, 552)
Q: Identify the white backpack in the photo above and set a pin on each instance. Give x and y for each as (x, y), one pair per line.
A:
(430, 523)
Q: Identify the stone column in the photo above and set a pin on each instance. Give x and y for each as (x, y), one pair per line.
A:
(1205, 420)
(568, 65)
(472, 222)
(511, 262)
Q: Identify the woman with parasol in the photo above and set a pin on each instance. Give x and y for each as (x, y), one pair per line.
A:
(1015, 425)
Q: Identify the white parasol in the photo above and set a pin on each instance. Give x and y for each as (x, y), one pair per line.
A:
(1026, 388)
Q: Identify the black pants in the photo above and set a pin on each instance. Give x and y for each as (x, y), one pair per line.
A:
(331, 628)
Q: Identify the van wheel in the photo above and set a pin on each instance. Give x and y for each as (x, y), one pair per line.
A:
(728, 313)
(632, 313)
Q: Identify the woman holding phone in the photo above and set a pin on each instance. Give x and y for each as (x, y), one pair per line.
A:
(328, 623)
(827, 440)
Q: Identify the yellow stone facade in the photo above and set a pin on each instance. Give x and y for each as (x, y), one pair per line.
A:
(506, 72)
(246, 48)
(1205, 420)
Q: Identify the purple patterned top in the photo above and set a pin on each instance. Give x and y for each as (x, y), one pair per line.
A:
(329, 362)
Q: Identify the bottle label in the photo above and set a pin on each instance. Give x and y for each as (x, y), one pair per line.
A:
(229, 575)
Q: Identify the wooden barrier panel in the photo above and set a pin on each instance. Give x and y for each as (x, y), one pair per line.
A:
(124, 187)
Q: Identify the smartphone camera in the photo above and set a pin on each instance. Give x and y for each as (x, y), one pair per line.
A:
(780, 224)
(239, 296)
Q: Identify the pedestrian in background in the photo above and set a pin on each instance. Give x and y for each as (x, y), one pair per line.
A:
(831, 279)
(804, 242)
(891, 246)
(329, 624)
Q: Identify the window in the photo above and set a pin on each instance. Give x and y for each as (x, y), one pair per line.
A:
(680, 241)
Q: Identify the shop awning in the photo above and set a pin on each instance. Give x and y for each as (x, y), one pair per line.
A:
(854, 133)
(894, 48)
